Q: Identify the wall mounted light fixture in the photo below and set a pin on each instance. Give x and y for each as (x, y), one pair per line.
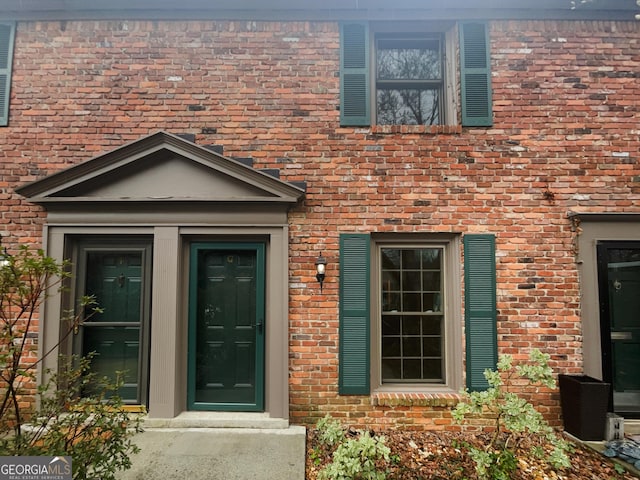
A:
(321, 268)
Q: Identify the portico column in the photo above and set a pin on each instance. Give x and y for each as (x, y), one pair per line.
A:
(165, 396)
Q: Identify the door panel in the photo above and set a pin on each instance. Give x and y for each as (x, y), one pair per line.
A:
(118, 350)
(115, 278)
(619, 271)
(226, 327)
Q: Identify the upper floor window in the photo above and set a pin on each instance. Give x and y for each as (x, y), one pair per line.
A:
(409, 80)
(392, 78)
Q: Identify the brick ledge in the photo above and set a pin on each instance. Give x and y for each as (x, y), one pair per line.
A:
(416, 129)
(415, 399)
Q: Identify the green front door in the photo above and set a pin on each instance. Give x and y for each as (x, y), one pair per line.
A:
(619, 275)
(226, 327)
(117, 278)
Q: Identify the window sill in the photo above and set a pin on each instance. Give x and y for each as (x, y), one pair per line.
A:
(415, 399)
(416, 129)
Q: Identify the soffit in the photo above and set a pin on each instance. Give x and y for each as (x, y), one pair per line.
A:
(161, 168)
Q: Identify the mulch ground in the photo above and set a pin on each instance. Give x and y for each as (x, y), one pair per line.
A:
(442, 455)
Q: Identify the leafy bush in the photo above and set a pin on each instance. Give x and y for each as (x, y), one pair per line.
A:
(94, 430)
(92, 427)
(330, 431)
(354, 458)
(512, 417)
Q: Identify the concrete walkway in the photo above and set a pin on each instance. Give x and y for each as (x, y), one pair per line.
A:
(216, 447)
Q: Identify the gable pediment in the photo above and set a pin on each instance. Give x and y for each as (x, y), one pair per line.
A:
(161, 168)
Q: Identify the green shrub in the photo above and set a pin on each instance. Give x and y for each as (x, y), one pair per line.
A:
(354, 458)
(91, 427)
(511, 417)
(330, 431)
(95, 431)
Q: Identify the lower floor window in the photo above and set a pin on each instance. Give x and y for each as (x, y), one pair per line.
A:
(412, 318)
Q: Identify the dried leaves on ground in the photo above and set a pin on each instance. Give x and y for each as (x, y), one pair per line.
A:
(442, 455)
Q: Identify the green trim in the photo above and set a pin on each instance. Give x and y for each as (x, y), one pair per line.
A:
(355, 104)
(354, 375)
(480, 307)
(7, 38)
(258, 405)
(475, 74)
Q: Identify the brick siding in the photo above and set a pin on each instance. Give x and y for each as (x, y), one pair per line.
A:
(565, 137)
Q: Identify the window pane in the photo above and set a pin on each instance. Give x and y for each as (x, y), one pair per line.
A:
(411, 347)
(406, 352)
(391, 346)
(432, 347)
(390, 258)
(431, 258)
(431, 281)
(408, 106)
(391, 280)
(431, 302)
(391, 369)
(411, 281)
(410, 259)
(432, 368)
(412, 368)
(408, 59)
(431, 325)
(412, 339)
(391, 302)
(411, 326)
(411, 302)
(390, 325)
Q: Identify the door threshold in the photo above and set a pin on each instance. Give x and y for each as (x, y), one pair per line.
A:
(632, 426)
(257, 420)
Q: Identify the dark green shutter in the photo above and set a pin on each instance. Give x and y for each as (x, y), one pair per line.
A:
(354, 314)
(480, 307)
(475, 73)
(7, 33)
(354, 75)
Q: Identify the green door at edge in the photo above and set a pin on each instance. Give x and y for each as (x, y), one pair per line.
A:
(621, 307)
(226, 327)
(113, 336)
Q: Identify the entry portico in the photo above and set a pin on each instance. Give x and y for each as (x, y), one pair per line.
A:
(154, 204)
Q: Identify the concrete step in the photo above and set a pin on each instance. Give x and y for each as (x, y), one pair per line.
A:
(218, 420)
(203, 452)
(632, 426)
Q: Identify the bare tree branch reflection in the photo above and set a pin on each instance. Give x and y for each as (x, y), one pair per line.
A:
(409, 81)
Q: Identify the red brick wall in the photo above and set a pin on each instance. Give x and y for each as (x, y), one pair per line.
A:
(565, 138)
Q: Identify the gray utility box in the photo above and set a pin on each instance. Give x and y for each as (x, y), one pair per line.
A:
(614, 428)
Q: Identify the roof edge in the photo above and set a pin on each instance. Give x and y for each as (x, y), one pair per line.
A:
(326, 10)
